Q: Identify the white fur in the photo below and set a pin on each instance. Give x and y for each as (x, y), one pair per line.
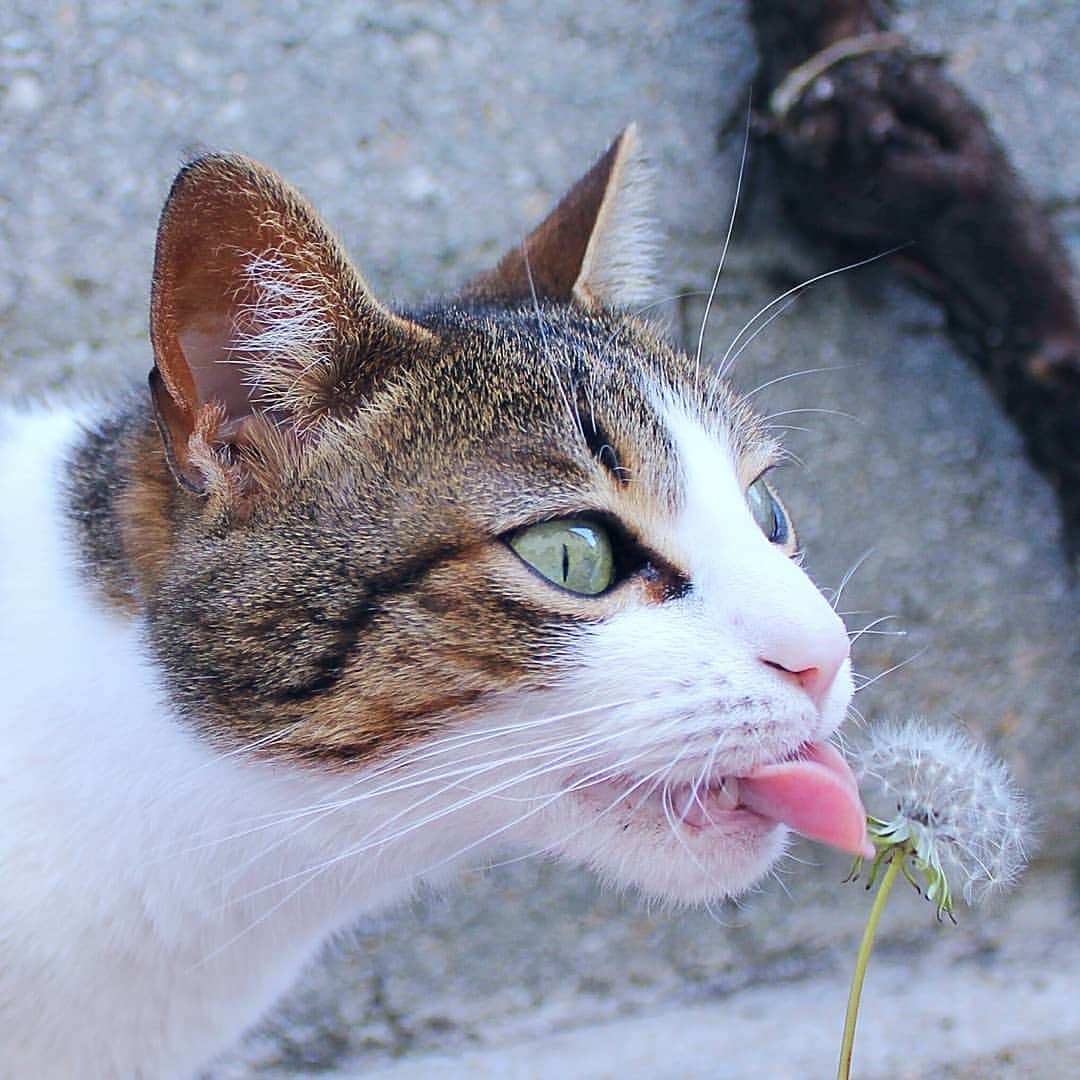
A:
(692, 697)
(288, 317)
(157, 894)
(285, 333)
(119, 898)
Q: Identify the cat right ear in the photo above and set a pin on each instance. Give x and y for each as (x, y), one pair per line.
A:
(261, 327)
(595, 249)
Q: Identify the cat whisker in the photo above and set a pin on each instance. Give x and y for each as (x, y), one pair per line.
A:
(848, 575)
(704, 777)
(596, 778)
(449, 744)
(366, 842)
(652, 779)
(588, 741)
(642, 309)
(824, 412)
(246, 748)
(463, 767)
(674, 823)
(794, 375)
(856, 634)
(797, 289)
(668, 298)
(312, 873)
(726, 245)
(726, 364)
(564, 393)
(531, 774)
(372, 839)
(888, 671)
(791, 427)
(326, 810)
(856, 714)
(789, 456)
(528, 751)
(778, 871)
(869, 629)
(466, 739)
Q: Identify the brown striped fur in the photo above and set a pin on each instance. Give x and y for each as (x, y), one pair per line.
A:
(316, 538)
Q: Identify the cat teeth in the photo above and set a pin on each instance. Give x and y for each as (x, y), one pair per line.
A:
(698, 806)
(727, 793)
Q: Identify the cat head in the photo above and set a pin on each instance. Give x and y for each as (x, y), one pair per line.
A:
(512, 548)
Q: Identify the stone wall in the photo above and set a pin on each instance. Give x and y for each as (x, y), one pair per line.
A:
(431, 135)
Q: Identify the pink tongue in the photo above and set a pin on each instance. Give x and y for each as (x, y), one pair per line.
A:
(815, 795)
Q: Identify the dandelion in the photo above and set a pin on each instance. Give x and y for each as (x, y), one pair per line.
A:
(945, 805)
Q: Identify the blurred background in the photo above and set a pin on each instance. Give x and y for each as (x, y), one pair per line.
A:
(431, 136)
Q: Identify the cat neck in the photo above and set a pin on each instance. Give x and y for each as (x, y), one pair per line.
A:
(194, 856)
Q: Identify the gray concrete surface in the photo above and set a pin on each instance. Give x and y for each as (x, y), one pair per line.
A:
(925, 1009)
(431, 135)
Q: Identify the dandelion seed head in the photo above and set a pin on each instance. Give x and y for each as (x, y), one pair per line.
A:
(939, 787)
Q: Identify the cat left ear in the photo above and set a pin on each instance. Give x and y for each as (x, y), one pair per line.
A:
(261, 327)
(594, 249)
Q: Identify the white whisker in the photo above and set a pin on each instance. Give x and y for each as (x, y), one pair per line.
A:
(456, 782)
(888, 671)
(312, 873)
(445, 745)
(847, 577)
(549, 356)
(799, 288)
(607, 773)
(727, 364)
(869, 629)
(793, 375)
(726, 245)
(823, 412)
(372, 839)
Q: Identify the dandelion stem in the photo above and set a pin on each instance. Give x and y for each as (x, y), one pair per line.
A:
(847, 1044)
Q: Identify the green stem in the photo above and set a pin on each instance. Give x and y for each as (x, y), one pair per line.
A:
(848, 1042)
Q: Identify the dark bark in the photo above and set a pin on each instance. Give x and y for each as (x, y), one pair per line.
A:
(876, 147)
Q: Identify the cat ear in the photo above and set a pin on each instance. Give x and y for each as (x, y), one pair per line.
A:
(258, 320)
(595, 248)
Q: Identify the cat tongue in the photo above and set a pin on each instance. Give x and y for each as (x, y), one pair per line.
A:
(815, 795)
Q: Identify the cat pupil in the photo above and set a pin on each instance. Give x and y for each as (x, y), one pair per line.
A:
(572, 553)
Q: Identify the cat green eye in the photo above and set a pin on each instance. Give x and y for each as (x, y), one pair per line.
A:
(572, 553)
(767, 512)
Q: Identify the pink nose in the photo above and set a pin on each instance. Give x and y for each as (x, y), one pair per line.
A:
(811, 660)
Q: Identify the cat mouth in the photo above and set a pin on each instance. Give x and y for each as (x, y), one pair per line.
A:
(814, 793)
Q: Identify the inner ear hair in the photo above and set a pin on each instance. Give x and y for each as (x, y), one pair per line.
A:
(595, 249)
(256, 309)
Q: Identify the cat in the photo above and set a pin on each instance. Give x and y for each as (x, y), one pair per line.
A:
(356, 595)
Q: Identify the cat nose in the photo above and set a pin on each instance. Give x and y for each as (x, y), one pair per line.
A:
(811, 657)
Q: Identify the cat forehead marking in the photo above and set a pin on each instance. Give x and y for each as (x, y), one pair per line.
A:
(712, 504)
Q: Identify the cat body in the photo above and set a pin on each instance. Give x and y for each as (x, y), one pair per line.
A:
(359, 596)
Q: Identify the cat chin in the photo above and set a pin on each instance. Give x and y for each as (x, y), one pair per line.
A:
(664, 859)
(687, 872)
